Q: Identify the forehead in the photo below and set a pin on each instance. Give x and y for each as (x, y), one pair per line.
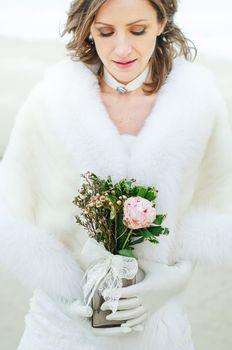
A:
(125, 11)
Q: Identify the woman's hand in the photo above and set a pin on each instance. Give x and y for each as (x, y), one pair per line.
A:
(77, 309)
(123, 329)
(161, 282)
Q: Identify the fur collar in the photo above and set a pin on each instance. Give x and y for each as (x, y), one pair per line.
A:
(168, 149)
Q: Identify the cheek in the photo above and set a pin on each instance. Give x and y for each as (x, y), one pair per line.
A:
(148, 47)
(151, 41)
(101, 50)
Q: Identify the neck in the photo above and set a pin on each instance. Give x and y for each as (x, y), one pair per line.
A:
(109, 84)
(106, 89)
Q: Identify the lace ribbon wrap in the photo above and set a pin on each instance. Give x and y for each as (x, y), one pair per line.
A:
(106, 271)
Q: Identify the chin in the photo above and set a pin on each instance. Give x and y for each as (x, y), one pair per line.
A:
(126, 76)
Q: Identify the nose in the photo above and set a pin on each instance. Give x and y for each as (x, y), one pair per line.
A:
(122, 47)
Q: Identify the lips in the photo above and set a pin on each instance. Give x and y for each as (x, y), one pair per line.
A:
(124, 62)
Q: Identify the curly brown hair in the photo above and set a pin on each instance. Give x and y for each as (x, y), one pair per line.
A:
(170, 44)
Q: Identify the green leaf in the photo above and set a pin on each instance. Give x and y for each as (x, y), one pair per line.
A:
(150, 194)
(105, 187)
(156, 230)
(118, 192)
(125, 186)
(139, 191)
(120, 225)
(138, 232)
(144, 233)
(134, 191)
(137, 241)
(159, 219)
(142, 191)
(120, 229)
(154, 241)
(166, 231)
(128, 183)
(109, 180)
(126, 252)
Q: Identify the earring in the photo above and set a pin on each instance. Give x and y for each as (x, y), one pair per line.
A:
(91, 38)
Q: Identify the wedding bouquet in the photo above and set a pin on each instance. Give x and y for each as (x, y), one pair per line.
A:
(117, 217)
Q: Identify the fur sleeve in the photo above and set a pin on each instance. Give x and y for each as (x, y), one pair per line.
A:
(204, 234)
(34, 255)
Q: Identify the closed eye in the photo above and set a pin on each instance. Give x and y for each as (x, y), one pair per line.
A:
(106, 34)
(141, 32)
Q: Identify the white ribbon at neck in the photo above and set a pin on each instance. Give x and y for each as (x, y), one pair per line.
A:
(122, 88)
(106, 271)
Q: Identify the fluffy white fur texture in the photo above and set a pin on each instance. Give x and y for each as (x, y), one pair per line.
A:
(37, 258)
(63, 129)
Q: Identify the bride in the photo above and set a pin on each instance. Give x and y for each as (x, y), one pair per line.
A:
(128, 103)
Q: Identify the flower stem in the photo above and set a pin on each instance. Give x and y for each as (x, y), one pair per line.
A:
(121, 234)
(126, 240)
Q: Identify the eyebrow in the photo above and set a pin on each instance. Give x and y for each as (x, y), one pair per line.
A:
(107, 24)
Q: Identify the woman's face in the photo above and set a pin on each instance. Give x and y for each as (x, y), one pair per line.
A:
(125, 31)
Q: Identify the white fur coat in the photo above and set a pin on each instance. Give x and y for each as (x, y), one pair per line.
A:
(63, 130)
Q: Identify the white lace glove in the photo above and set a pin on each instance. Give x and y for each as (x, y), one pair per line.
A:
(161, 282)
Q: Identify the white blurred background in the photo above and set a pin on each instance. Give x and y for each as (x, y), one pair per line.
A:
(29, 44)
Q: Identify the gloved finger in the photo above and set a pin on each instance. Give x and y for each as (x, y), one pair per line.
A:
(124, 304)
(78, 309)
(132, 291)
(126, 314)
(135, 321)
(111, 331)
(138, 328)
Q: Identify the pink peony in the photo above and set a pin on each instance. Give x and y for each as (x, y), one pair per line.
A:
(138, 213)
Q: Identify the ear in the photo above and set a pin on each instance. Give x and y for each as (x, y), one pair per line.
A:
(162, 25)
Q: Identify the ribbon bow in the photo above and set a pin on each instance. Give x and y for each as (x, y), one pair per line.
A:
(106, 271)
